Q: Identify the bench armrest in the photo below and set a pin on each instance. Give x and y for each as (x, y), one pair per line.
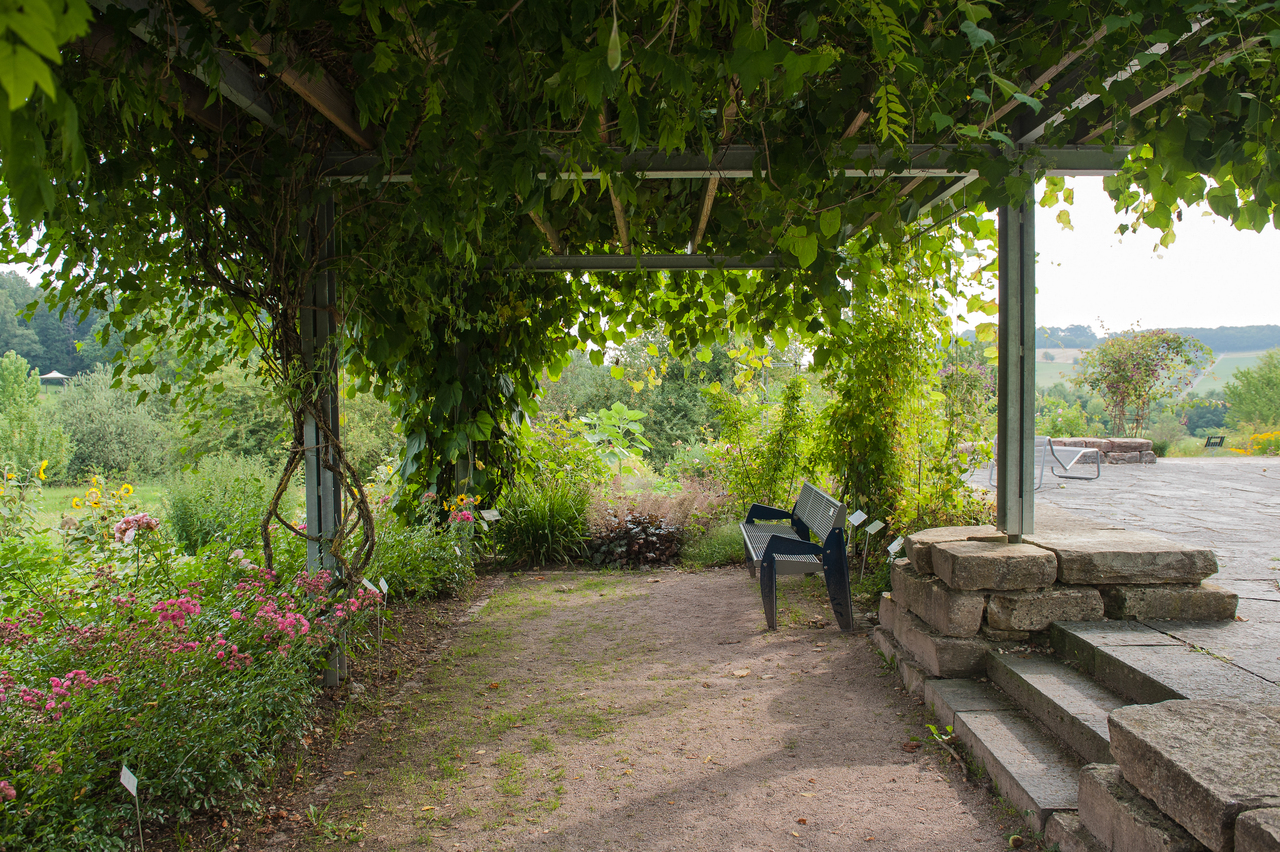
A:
(783, 546)
(761, 512)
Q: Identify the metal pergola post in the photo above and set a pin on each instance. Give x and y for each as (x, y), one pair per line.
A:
(320, 356)
(1016, 371)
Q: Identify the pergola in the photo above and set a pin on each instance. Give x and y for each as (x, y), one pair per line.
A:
(932, 180)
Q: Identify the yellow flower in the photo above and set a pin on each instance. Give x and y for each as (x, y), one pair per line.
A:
(126, 489)
(43, 465)
(12, 476)
(1, 490)
(93, 480)
(93, 495)
(95, 504)
(76, 503)
(462, 499)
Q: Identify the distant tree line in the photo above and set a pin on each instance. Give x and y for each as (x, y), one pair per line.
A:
(1235, 338)
(45, 341)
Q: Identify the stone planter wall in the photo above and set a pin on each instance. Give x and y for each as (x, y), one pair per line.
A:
(1114, 450)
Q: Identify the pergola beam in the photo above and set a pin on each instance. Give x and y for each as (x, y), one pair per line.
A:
(650, 263)
(737, 162)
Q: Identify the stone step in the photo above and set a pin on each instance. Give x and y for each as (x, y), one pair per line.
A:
(1148, 666)
(1071, 705)
(1035, 773)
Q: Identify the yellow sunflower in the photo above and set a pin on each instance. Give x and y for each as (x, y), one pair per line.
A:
(93, 495)
(11, 476)
(126, 489)
(43, 465)
(76, 503)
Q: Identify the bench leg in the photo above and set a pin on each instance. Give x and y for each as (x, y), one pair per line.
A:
(751, 562)
(841, 595)
(769, 592)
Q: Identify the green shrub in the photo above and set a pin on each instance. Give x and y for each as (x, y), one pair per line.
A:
(223, 500)
(29, 437)
(557, 450)
(110, 431)
(542, 523)
(1160, 448)
(428, 560)
(195, 673)
(721, 545)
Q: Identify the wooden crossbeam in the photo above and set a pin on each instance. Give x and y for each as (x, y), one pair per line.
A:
(713, 182)
(650, 263)
(101, 42)
(235, 81)
(321, 91)
(1138, 103)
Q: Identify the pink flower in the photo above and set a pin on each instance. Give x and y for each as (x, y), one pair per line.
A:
(126, 529)
(7, 792)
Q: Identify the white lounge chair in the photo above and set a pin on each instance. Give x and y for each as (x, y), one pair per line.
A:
(1058, 460)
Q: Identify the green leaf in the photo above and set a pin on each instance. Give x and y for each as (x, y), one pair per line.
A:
(941, 121)
(977, 35)
(615, 48)
(704, 355)
(1064, 219)
(617, 372)
(21, 71)
(829, 222)
(1035, 105)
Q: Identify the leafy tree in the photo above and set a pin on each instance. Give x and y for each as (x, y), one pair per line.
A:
(1254, 394)
(1133, 369)
(28, 435)
(111, 431)
(1205, 415)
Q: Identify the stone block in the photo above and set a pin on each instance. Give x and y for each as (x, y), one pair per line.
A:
(1130, 445)
(939, 656)
(1149, 457)
(990, 633)
(1068, 833)
(919, 545)
(1070, 704)
(1258, 831)
(1103, 445)
(888, 611)
(1034, 772)
(1122, 557)
(1201, 762)
(947, 611)
(1150, 674)
(1202, 602)
(1124, 458)
(1121, 818)
(949, 696)
(913, 676)
(1036, 609)
(974, 565)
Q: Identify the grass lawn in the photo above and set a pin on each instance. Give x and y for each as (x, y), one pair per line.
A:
(1220, 373)
(1049, 373)
(56, 501)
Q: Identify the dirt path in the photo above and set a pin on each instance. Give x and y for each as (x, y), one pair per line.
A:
(649, 712)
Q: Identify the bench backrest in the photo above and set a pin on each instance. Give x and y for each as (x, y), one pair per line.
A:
(819, 511)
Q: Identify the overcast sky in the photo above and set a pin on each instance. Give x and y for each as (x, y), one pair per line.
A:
(1212, 275)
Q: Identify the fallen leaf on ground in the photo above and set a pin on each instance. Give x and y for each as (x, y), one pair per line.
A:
(910, 747)
(741, 672)
(802, 821)
(429, 808)
(654, 580)
(348, 773)
(807, 795)
(481, 751)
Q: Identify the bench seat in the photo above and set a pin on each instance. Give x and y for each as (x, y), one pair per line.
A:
(779, 542)
(755, 538)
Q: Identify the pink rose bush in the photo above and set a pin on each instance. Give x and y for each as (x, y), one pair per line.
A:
(195, 680)
(127, 528)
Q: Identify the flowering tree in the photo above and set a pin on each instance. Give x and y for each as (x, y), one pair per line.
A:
(1131, 369)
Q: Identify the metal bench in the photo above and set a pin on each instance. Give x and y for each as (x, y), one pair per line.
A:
(1058, 461)
(778, 548)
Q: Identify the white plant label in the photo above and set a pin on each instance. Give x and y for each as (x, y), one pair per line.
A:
(382, 584)
(875, 527)
(896, 546)
(370, 586)
(491, 515)
(129, 780)
(858, 517)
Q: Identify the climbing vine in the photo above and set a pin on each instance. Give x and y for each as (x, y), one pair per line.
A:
(145, 189)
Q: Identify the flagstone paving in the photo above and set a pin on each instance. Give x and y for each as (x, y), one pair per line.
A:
(1229, 504)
